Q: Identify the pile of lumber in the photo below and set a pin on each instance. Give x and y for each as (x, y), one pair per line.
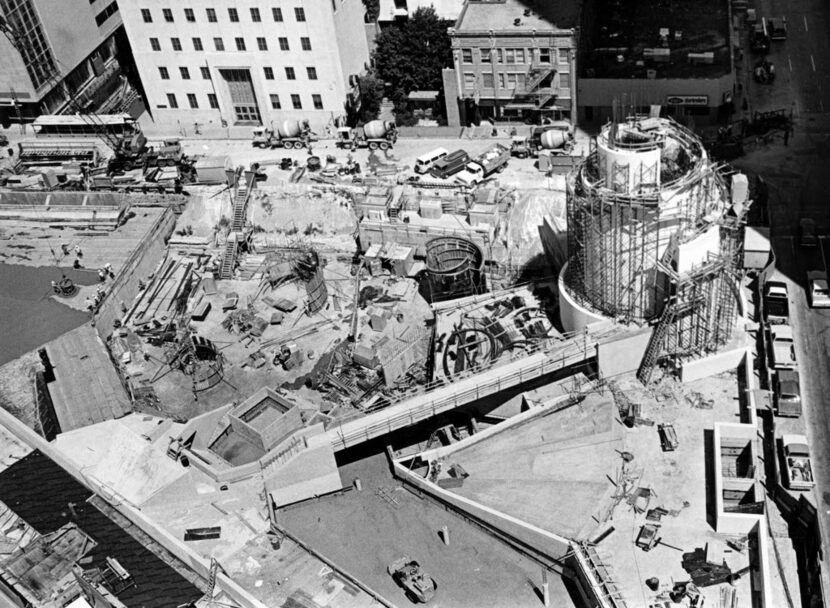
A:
(165, 296)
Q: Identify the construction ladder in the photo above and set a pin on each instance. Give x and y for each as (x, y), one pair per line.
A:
(228, 258)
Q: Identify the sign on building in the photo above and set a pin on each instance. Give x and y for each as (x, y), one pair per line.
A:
(687, 100)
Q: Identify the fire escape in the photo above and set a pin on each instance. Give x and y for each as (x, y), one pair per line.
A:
(532, 91)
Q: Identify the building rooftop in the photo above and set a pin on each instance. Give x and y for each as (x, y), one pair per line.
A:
(657, 35)
(447, 10)
(46, 497)
(506, 16)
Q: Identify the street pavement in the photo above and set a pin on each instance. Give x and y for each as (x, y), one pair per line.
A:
(799, 179)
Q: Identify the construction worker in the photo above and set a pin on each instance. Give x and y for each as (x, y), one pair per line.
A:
(108, 270)
(102, 276)
(65, 248)
(88, 304)
(78, 251)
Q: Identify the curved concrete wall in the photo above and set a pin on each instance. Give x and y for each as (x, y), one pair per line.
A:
(573, 315)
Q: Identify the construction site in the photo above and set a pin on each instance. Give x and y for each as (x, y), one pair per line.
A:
(539, 396)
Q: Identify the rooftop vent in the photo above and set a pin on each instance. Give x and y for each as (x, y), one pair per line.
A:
(517, 22)
(527, 12)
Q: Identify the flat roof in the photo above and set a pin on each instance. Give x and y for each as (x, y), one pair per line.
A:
(500, 15)
(703, 27)
(78, 119)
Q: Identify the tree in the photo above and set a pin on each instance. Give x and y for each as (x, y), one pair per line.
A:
(371, 95)
(409, 57)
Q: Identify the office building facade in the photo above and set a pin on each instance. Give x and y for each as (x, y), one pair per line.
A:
(512, 60)
(54, 50)
(234, 64)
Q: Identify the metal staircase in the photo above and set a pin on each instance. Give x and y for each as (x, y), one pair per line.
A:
(240, 207)
(229, 257)
(536, 74)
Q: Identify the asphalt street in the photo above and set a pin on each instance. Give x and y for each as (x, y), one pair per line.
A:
(799, 178)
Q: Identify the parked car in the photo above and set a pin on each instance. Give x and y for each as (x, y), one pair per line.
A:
(758, 38)
(807, 234)
(417, 584)
(817, 289)
(787, 393)
(781, 352)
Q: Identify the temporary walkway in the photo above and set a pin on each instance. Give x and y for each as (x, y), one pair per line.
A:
(432, 401)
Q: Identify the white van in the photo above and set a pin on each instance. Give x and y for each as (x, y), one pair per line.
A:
(425, 161)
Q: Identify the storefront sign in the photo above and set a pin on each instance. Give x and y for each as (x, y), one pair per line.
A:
(687, 100)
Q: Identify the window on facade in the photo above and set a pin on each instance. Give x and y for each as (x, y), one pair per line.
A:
(211, 15)
(469, 80)
(289, 73)
(155, 44)
(262, 44)
(501, 81)
(563, 55)
(544, 55)
(485, 55)
(510, 55)
(185, 73)
(191, 100)
(213, 101)
(283, 44)
(146, 15)
(189, 15)
(205, 72)
(105, 14)
(269, 73)
(168, 15)
(500, 55)
(305, 43)
(312, 73)
(299, 13)
(466, 55)
(240, 44)
(277, 13)
(295, 101)
(177, 44)
(255, 16)
(219, 44)
(318, 101)
(165, 75)
(487, 80)
(197, 44)
(233, 14)
(520, 55)
(171, 101)
(275, 102)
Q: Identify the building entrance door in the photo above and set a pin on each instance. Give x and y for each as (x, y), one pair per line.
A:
(241, 89)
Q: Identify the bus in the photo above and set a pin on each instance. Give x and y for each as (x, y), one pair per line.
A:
(77, 127)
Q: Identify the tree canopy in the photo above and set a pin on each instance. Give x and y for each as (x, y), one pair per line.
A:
(410, 56)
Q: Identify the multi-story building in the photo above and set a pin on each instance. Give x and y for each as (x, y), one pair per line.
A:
(513, 60)
(233, 63)
(642, 54)
(56, 49)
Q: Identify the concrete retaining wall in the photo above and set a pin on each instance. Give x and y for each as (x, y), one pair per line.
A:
(622, 355)
(710, 366)
(546, 543)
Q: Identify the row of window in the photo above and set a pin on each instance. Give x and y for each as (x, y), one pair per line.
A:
(512, 56)
(507, 80)
(213, 101)
(105, 14)
(233, 15)
(219, 44)
(290, 74)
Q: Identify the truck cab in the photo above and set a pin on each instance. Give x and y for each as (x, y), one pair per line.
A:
(262, 138)
(759, 41)
(776, 28)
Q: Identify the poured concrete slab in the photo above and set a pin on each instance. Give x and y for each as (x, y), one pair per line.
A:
(565, 460)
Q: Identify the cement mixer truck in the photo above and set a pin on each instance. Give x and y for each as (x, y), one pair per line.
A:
(557, 137)
(289, 134)
(373, 135)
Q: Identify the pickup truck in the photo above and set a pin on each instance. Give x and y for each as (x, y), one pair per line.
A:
(781, 352)
(798, 468)
(483, 165)
(776, 302)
